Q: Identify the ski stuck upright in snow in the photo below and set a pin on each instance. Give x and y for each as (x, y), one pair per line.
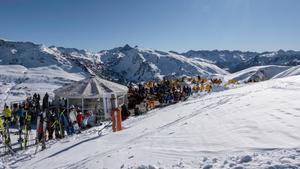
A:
(41, 131)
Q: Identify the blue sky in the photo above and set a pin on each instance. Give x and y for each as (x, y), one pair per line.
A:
(179, 25)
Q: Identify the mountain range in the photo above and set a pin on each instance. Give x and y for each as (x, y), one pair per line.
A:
(26, 67)
(234, 61)
(134, 64)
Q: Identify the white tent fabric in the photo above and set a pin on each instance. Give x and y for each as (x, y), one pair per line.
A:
(92, 87)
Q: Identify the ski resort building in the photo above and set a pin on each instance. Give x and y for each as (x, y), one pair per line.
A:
(95, 95)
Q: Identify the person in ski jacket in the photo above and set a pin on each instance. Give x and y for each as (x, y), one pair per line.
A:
(46, 101)
(40, 128)
(125, 113)
(7, 113)
(64, 120)
(73, 115)
(79, 119)
(20, 113)
(51, 125)
(1, 126)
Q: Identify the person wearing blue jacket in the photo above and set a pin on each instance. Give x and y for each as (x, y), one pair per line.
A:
(64, 119)
(20, 114)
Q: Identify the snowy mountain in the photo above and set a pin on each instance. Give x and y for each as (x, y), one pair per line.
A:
(225, 59)
(133, 64)
(128, 63)
(27, 67)
(283, 58)
(32, 55)
(136, 64)
(237, 60)
(252, 126)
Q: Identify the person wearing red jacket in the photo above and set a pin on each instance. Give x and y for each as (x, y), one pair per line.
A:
(79, 119)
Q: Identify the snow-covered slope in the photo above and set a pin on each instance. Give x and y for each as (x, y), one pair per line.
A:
(254, 126)
(136, 64)
(77, 54)
(257, 73)
(18, 82)
(293, 71)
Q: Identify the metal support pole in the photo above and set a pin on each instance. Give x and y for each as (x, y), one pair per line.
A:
(82, 105)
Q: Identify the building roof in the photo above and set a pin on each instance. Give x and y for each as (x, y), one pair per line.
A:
(92, 87)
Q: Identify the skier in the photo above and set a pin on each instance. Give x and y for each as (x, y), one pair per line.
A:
(73, 121)
(20, 113)
(46, 101)
(80, 119)
(51, 125)
(64, 120)
(124, 112)
(14, 115)
(2, 129)
(7, 113)
(58, 123)
(40, 127)
(27, 127)
(1, 126)
(6, 124)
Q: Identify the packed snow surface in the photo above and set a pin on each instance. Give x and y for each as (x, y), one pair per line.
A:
(257, 73)
(253, 126)
(293, 71)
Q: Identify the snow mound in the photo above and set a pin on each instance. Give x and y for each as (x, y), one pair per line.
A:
(257, 73)
(293, 71)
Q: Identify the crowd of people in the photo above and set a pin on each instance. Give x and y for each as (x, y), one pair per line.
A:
(49, 120)
(149, 95)
(54, 119)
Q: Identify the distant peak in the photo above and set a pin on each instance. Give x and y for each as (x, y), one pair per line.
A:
(127, 47)
(171, 51)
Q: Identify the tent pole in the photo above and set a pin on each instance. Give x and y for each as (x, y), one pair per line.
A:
(104, 107)
(82, 105)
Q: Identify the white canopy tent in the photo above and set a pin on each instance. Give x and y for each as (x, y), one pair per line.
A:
(95, 94)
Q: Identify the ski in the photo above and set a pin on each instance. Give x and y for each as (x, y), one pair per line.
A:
(8, 147)
(7, 132)
(106, 126)
(27, 127)
(26, 134)
(37, 132)
(20, 140)
(44, 129)
(6, 137)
